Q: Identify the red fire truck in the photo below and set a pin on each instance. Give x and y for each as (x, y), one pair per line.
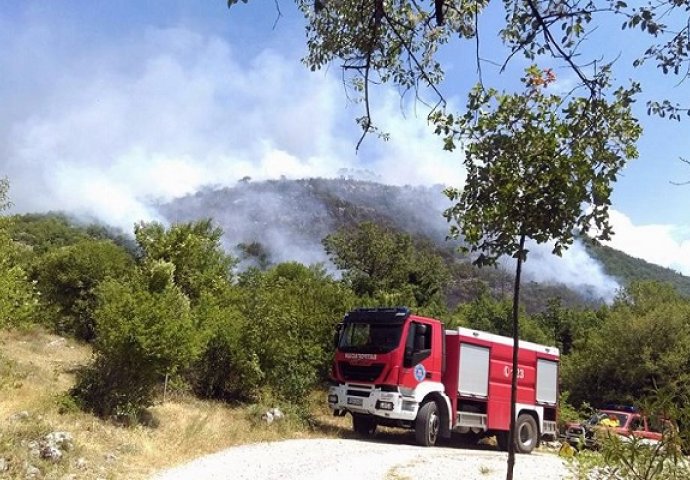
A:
(396, 369)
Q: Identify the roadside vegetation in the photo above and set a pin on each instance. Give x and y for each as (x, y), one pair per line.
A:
(158, 345)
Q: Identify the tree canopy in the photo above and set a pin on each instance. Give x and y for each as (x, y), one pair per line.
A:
(538, 165)
(398, 42)
(377, 259)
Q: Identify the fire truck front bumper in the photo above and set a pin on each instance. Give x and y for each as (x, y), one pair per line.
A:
(370, 400)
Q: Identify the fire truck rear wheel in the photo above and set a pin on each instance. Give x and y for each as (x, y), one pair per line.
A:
(526, 434)
(427, 424)
(364, 425)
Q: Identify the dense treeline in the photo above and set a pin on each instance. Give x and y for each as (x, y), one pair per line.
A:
(171, 304)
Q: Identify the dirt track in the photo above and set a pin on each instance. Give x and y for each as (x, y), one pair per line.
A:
(332, 459)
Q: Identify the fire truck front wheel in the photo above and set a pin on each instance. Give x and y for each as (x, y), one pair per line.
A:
(364, 425)
(427, 424)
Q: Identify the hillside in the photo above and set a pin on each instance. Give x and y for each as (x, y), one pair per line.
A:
(287, 219)
(627, 268)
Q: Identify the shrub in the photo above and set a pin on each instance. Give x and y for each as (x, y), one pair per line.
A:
(141, 336)
(17, 297)
(291, 311)
(194, 248)
(68, 278)
(226, 368)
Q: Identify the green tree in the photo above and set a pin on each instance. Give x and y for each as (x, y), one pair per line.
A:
(144, 330)
(68, 277)
(378, 262)
(538, 167)
(292, 311)
(495, 316)
(43, 232)
(17, 293)
(194, 249)
(565, 326)
(643, 344)
(227, 368)
(397, 41)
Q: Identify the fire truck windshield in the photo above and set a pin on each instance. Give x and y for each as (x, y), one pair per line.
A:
(370, 337)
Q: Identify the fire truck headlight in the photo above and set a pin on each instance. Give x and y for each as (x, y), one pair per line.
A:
(385, 405)
(333, 399)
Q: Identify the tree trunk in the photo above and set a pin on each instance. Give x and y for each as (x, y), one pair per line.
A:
(514, 376)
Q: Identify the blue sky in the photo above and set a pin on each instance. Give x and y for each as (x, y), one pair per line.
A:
(111, 106)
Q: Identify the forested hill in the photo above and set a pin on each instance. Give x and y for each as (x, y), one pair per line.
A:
(281, 220)
(627, 268)
(289, 218)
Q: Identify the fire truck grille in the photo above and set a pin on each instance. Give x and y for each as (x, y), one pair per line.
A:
(362, 373)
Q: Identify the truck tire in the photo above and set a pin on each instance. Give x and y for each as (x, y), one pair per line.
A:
(526, 433)
(363, 425)
(427, 424)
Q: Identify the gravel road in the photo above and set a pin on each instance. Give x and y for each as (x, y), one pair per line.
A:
(334, 459)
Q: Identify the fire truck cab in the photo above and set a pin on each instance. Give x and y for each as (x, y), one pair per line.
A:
(397, 369)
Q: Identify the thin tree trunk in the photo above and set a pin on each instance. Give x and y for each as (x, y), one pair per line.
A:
(514, 377)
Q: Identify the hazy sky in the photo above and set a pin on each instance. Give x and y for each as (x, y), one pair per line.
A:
(110, 106)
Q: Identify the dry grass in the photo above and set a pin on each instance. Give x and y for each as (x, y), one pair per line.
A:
(37, 369)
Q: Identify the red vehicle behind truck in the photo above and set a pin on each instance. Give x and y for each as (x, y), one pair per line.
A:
(397, 369)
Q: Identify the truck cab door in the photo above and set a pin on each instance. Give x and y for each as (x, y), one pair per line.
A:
(421, 361)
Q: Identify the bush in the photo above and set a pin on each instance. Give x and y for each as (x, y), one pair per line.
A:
(17, 297)
(201, 264)
(141, 336)
(291, 312)
(17, 294)
(226, 368)
(68, 278)
(641, 345)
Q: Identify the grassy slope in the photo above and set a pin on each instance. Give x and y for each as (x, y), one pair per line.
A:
(36, 369)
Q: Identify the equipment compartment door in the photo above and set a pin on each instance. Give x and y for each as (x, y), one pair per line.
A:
(547, 381)
(473, 376)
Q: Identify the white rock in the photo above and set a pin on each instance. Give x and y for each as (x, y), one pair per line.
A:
(267, 417)
(34, 448)
(57, 343)
(51, 452)
(3, 464)
(81, 463)
(61, 440)
(277, 413)
(32, 472)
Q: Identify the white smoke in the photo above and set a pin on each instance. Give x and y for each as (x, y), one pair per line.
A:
(173, 110)
(574, 269)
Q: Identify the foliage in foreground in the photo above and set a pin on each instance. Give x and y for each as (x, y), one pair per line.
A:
(17, 294)
(142, 335)
(634, 458)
